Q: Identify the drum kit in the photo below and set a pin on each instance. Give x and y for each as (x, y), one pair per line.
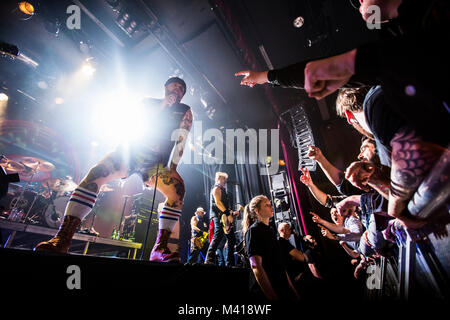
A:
(42, 200)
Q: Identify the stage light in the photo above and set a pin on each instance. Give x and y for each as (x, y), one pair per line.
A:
(126, 24)
(26, 8)
(298, 22)
(120, 118)
(87, 69)
(3, 97)
(42, 84)
(281, 163)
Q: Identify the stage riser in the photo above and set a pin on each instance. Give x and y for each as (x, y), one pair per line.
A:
(25, 271)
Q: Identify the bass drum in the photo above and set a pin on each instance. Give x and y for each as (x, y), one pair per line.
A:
(54, 214)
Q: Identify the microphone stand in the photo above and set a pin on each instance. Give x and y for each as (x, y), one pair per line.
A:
(121, 218)
(101, 194)
(151, 213)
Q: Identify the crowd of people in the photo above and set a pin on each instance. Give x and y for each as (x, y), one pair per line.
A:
(391, 92)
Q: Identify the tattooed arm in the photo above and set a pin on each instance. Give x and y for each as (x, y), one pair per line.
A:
(180, 136)
(380, 180)
(412, 159)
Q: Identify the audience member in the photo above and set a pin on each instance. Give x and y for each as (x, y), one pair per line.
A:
(264, 253)
(350, 231)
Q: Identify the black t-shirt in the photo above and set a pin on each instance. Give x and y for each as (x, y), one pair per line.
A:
(383, 121)
(293, 267)
(260, 240)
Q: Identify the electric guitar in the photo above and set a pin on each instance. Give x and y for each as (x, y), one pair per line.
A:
(228, 220)
(199, 241)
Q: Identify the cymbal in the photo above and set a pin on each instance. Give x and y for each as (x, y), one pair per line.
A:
(14, 186)
(28, 175)
(12, 166)
(60, 185)
(33, 163)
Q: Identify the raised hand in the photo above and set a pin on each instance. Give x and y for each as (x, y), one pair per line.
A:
(316, 218)
(306, 177)
(170, 99)
(326, 233)
(251, 78)
(314, 153)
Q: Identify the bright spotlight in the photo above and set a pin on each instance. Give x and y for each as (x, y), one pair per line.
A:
(26, 8)
(87, 69)
(3, 97)
(120, 118)
(298, 22)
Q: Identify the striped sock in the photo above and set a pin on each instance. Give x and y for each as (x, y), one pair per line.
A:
(80, 203)
(168, 218)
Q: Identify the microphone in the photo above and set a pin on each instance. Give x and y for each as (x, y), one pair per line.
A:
(9, 49)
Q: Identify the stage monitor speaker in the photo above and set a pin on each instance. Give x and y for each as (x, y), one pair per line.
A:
(142, 207)
(140, 231)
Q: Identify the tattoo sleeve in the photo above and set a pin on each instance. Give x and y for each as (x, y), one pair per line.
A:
(181, 137)
(412, 159)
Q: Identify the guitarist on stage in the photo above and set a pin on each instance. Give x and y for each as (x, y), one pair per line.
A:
(199, 235)
(220, 205)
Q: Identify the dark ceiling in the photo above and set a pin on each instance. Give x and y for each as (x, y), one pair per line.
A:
(203, 41)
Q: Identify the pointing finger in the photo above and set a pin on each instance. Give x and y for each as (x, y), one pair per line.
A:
(242, 73)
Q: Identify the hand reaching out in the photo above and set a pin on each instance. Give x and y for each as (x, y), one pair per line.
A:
(324, 76)
(316, 218)
(326, 233)
(251, 78)
(314, 153)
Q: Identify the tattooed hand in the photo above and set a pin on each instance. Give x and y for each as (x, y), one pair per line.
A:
(180, 136)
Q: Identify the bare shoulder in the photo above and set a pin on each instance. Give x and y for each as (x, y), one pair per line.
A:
(216, 191)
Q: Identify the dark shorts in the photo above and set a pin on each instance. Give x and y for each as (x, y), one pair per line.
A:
(144, 161)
